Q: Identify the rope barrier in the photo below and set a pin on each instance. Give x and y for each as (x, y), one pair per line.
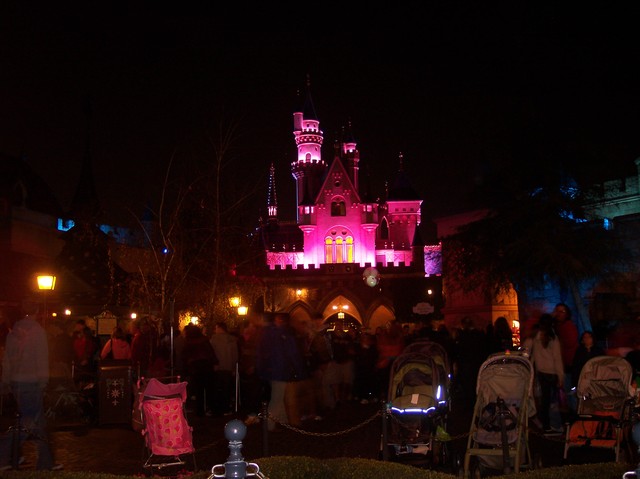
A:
(324, 434)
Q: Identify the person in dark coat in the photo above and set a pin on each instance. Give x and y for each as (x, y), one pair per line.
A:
(587, 349)
(366, 357)
(501, 338)
(280, 362)
(470, 352)
(199, 360)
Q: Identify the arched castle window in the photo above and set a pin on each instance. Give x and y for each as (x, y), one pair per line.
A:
(338, 249)
(338, 207)
(328, 250)
(349, 249)
(384, 229)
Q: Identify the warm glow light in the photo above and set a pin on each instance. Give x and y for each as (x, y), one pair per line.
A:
(340, 315)
(194, 320)
(67, 312)
(429, 292)
(234, 301)
(46, 282)
(334, 307)
(54, 314)
(134, 315)
(515, 324)
(242, 310)
(298, 292)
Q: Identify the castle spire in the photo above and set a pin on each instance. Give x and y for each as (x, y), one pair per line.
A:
(351, 155)
(85, 206)
(272, 197)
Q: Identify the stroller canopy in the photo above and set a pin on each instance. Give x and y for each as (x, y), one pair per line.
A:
(604, 385)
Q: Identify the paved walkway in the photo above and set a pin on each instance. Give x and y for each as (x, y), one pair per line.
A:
(352, 430)
(118, 449)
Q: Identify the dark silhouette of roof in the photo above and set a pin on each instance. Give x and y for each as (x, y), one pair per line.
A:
(402, 189)
(307, 107)
(85, 206)
(21, 186)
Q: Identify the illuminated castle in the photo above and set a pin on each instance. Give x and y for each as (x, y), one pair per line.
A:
(336, 221)
(316, 263)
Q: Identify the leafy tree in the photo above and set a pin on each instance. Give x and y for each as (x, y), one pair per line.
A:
(534, 233)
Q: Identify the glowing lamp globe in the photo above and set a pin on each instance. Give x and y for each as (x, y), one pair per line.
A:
(371, 277)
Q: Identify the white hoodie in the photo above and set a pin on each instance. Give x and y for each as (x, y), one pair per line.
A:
(26, 356)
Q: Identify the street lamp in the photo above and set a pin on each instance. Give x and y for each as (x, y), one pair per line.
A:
(46, 283)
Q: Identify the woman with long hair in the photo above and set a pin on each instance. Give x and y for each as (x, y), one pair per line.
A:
(544, 350)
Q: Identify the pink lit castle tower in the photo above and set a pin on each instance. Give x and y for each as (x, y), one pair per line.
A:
(336, 222)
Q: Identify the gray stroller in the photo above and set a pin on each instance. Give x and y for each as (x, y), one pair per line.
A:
(498, 439)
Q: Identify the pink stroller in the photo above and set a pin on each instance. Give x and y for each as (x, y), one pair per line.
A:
(167, 435)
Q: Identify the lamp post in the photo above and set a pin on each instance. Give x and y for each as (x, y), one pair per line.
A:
(46, 283)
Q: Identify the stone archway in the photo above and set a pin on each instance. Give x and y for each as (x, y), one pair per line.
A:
(380, 316)
(341, 304)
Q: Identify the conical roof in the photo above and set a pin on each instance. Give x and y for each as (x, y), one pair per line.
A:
(402, 189)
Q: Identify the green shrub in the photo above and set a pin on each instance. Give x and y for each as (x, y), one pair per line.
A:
(290, 467)
(607, 470)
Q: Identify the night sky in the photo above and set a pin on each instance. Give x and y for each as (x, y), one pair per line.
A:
(461, 91)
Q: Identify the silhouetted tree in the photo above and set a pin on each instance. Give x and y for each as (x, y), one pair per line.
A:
(534, 233)
(198, 234)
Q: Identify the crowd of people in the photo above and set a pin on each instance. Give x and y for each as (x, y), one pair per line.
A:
(303, 370)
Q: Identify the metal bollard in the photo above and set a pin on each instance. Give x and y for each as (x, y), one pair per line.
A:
(385, 432)
(235, 467)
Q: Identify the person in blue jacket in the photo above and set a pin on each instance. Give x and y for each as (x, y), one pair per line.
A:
(280, 362)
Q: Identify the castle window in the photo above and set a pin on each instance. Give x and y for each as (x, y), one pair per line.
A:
(384, 229)
(328, 250)
(339, 250)
(338, 207)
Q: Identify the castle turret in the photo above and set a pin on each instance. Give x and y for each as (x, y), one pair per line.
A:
(309, 168)
(403, 210)
(351, 155)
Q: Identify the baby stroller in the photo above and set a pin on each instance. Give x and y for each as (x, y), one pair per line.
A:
(414, 428)
(67, 404)
(498, 438)
(605, 406)
(168, 438)
(439, 354)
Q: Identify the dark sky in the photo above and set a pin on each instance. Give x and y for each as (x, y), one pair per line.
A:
(461, 91)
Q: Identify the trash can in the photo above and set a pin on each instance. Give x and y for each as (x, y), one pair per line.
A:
(115, 392)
